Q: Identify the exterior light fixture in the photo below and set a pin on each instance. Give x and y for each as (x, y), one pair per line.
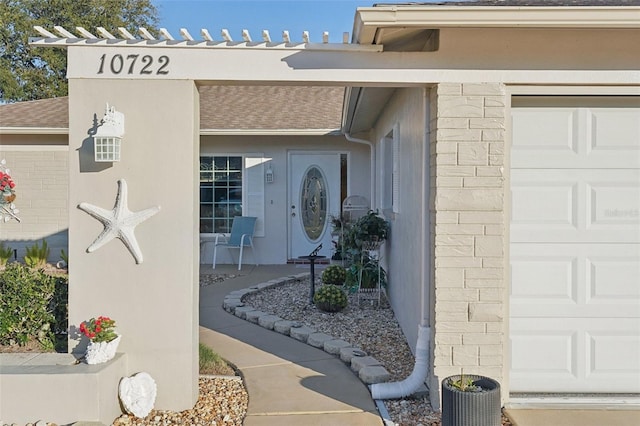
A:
(268, 174)
(108, 137)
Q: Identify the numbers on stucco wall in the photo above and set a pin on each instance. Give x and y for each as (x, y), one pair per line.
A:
(134, 64)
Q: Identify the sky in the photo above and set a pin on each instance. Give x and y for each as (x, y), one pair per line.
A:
(296, 16)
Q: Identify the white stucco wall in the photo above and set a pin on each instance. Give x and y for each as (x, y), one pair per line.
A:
(39, 167)
(272, 248)
(154, 303)
(406, 253)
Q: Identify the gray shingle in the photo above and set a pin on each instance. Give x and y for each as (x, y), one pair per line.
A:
(221, 107)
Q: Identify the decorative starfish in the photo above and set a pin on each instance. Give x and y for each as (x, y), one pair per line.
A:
(119, 222)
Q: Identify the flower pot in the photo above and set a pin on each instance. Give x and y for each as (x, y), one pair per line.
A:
(471, 408)
(99, 352)
(329, 307)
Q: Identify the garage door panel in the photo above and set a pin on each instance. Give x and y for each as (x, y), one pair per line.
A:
(544, 203)
(543, 278)
(558, 135)
(615, 280)
(543, 352)
(569, 355)
(615, 204)
(608, 353)
(575, 205)
(579, 136)
(615, 130)
(575, 280)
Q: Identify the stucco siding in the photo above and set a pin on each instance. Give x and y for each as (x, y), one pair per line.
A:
(39, 166)
(157, 297)
(405, 254)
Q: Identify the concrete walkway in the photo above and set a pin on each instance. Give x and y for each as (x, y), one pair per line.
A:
(289, 382)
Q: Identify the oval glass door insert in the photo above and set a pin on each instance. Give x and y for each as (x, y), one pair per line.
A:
(313, 203)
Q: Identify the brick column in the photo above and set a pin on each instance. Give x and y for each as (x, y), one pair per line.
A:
(468, 231)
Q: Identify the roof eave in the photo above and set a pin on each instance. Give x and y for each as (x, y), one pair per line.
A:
(369, 19)
(270, 132)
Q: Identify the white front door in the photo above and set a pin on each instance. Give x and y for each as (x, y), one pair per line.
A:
(314, 195)
(575, 245)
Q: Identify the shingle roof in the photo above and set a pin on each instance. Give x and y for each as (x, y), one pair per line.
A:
(221, 107)
(270, 107)
(43, 113)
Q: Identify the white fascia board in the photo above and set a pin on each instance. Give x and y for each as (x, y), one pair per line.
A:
(34, 131)
(269, 132)
(369, 19)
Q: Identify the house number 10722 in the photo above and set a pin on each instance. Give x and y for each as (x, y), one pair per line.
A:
(134, 64)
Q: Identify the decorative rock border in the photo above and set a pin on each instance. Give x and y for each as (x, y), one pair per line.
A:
(367, 368)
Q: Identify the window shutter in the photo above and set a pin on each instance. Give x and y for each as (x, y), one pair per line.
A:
(254, 190)
(396, 174)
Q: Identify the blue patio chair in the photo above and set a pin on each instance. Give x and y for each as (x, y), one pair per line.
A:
(241, 236)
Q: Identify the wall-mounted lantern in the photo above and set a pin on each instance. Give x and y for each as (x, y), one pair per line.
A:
(268, 174)
(108, 137)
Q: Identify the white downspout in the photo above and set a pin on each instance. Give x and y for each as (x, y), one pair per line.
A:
(371, 166)
(420, 371)
(417, 377)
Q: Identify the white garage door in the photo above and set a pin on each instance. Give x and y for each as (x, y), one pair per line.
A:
(575, 245)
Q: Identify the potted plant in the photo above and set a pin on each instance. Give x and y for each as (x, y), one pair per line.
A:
(365, 275)
(334, 274)
(370, 227)
(103, 339)
(470, 400)
(330, 298)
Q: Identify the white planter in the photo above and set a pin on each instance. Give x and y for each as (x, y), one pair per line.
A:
(100, 352)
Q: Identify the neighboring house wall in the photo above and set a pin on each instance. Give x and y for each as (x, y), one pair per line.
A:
(469, 307)
(272, 249)
(406, 255)
(39, 166)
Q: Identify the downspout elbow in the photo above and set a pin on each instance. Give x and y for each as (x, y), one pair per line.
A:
(417, 377)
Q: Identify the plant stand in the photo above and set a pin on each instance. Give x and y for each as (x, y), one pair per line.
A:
(461, 408)
(372, 249)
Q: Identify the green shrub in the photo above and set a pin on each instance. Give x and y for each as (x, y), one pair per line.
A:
(36, 256)
(59, 306)
(330, 298)
(5, 254)
(334, 274)
(25, 305)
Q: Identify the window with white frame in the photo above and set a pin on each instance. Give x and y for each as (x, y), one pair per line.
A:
(390, 182)
(230, 186)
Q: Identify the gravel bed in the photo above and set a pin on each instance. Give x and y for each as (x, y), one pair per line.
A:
(222, 401)
(372, 328)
